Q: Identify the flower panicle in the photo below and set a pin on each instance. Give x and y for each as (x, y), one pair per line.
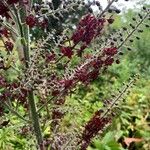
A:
(103, 117)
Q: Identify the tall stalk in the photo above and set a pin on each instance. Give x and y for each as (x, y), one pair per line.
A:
(25, 41)
(34, 114)
(35, 118)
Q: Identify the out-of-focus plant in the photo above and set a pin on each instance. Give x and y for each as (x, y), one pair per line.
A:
(38, 74)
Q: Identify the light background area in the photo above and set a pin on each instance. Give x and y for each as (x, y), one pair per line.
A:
(122, 4)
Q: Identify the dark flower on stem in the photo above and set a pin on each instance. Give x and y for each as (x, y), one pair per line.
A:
(12, 1)
(43, 23)
(77, 36)
(66, 83)
(88, 28)
(9, 45)
(109, 61)
(5, 123)
(94, 74)
(4, 10)
(97, 63)
(55, 92)
(59, 101)
(96, 124)
(50, 57)
(67, 51)
(31, 21)
(4, 96)
(110, 51)
(15, 85)
(4, 32)
(2, 82)
(82, 75)
(57, 115)
(22, 96)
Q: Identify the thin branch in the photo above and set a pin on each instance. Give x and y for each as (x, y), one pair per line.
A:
(118, 97)
(108, 6)
(16, 113)
(131, 33)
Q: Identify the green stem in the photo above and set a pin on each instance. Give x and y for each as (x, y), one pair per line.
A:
(35, 118)
(23, 41)
(26, 49)
(34, 114)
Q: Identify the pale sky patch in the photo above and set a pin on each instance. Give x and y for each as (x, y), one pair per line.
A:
(124, 5)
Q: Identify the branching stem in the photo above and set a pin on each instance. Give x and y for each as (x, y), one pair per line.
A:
(25, 41)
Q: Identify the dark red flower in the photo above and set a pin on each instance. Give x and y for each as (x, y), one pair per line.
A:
(89, 23)
(97, 63)
(2, 82)
(15, 85)
(4, 10)
(12, 1)
(43, 23)
(4, 32)
(110, 51)
(82, 75)
(22, 96)
(55, 92)
(109, 61)
(60, 101)
(57, 115)
(31, 20)
(67, 51)
(88, 20)
(93, 126)
(94, 74)
(88, 28)
(4, 96)
(50, 57)
(9, 45)
(66, 83)
(77, 36)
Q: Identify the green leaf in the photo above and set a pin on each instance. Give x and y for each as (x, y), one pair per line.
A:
(108, 137)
